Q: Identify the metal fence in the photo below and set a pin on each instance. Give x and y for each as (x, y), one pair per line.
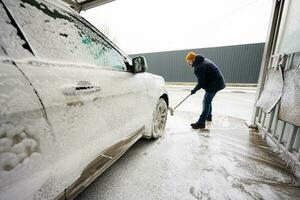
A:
(239, 63)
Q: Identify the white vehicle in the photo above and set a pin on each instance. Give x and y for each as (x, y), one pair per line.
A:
(71, 102)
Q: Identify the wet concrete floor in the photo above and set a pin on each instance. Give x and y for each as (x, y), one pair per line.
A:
(225, 161)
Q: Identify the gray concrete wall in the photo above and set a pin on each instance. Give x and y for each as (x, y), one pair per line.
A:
(239, 63)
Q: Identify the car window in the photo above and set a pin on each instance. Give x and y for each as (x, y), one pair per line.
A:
(55, 34)
(11, 42)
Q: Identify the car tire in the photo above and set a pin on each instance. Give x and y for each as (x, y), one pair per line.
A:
(159, 119)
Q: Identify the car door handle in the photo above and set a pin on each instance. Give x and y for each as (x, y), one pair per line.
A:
(81, 90)
(86, 89)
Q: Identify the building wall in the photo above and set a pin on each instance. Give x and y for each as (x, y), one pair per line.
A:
(239, 63)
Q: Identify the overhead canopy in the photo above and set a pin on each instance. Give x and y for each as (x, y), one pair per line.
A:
(80, 5)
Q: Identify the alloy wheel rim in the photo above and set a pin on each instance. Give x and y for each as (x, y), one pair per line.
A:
(160, 119)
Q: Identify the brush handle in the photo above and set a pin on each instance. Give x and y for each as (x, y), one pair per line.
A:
(182, 101)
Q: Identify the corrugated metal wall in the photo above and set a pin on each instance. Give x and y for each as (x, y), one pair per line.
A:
(239, 63)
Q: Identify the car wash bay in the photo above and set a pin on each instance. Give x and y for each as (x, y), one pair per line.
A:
(226, 161)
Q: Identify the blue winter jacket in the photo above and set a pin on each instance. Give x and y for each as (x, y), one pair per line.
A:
(208, 74)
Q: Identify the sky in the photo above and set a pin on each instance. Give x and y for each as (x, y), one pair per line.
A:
(141, 26)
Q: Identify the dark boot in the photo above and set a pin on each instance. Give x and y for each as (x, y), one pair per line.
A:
(209, 119)
(198, 126)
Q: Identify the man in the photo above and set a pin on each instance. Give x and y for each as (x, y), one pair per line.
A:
(210, 78)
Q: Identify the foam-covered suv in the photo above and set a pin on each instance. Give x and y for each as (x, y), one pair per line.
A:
(71, 102)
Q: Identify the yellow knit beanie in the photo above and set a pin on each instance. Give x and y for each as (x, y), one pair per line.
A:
(191, 56)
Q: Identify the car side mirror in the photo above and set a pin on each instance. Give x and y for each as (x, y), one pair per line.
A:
(139, 64)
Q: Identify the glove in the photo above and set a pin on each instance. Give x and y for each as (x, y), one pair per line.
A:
(193, 92)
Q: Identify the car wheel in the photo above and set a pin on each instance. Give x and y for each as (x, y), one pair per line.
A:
(159, 119)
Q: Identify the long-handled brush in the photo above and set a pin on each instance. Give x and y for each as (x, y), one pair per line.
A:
(173, 109)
